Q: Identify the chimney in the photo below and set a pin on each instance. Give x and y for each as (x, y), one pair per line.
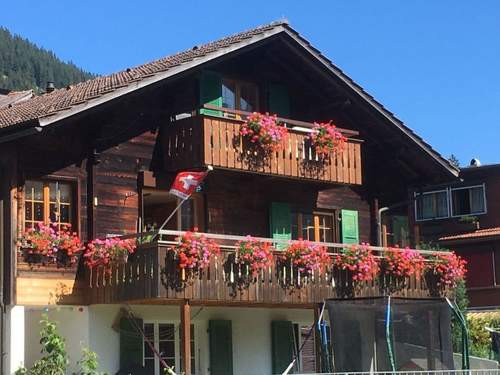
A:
(50, 87)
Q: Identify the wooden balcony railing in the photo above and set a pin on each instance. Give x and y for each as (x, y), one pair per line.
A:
(140, 280)
(202, 140)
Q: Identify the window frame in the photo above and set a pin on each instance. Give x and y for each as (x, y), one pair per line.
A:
(448, 208)
(449, 198)
(237, 93)
(74, 205)
(483, 186)
(315, 213)
(177, 344)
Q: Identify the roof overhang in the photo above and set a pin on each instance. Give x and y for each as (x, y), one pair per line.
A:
(197, 62)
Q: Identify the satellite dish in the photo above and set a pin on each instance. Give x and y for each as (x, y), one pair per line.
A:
(475, 162)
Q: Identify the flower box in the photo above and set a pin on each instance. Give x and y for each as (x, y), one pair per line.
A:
(249, 260)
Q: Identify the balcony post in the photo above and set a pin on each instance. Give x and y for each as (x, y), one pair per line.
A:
(186, 336)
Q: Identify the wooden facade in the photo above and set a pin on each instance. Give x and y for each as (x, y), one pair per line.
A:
(115, 144)
(206, 140)
(143, 280)
(475, 236)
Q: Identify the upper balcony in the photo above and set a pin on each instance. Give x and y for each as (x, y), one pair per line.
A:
(151, 275)
(206, 139)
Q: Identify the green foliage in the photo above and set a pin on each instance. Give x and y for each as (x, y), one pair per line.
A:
(456, 328)
(454, 161)
(54, 359)
(23, 65)
(88, 363)
(479, 336)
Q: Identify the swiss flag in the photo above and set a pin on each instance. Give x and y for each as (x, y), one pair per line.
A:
(185, 183)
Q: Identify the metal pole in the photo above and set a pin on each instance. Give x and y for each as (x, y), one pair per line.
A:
(209, 168)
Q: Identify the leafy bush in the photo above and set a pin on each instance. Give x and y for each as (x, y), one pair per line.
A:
(55, 359)
(479, 337)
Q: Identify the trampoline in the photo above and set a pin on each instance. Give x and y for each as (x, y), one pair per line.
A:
(391, 334)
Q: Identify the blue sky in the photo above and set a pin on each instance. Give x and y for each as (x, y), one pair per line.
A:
(435, 64)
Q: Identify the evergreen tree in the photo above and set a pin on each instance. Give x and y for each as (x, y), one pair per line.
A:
(24, 66)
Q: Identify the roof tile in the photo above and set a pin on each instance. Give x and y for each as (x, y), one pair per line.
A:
(479, 233)
(60, 99)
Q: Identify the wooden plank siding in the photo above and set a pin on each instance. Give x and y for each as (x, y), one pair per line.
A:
(140, 281)
(223, 147)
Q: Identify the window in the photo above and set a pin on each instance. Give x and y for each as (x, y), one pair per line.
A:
(48, 201)
(432, 205)
(468, 201)
(316, 226)
(166, 340)
(239, 95)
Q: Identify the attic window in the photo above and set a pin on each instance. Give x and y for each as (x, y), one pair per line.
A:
(239, 95)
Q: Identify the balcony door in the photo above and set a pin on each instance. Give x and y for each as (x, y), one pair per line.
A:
(158, 204)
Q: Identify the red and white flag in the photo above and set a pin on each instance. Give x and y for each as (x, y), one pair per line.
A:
(185, 183)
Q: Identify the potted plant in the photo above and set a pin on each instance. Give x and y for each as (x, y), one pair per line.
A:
(326, 140)
(444, 272)
(187, 259)
(352, 266)
(299, 261)
(396, 268)
(68, 246)
(113, 250)
(37, 245)
(249, 260)
(263, 131)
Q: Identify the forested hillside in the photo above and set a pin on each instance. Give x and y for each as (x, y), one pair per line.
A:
(23, 65)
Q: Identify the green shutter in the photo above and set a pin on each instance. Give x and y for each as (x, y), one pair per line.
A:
(279, 101)
(221, 347)
(281, 222)
(210, 92)
(350, 227)
(131, 344)
(282, 343)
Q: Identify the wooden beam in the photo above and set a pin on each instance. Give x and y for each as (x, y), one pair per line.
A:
(90, 196)
(186, 336)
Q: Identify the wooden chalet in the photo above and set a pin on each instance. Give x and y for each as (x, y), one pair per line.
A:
(101, 156)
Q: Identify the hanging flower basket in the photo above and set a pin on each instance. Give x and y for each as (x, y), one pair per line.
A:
(243, 267)
(109, 251)
(47, 245)
(186, 260)
(262, 133)
(326, 140)
(298, 263)
(397, 267)
(352, 267)
(444, 272)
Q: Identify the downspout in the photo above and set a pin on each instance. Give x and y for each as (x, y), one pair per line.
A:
(379, 224)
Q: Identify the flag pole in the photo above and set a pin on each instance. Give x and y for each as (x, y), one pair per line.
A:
(209, 168)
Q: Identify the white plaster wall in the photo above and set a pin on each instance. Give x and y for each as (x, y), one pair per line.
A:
(15, 338)
(251, 333)
(72, 323)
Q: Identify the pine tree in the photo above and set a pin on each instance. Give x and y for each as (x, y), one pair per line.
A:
(23, 66)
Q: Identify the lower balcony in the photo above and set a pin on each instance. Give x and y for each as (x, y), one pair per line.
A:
(151, 276)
